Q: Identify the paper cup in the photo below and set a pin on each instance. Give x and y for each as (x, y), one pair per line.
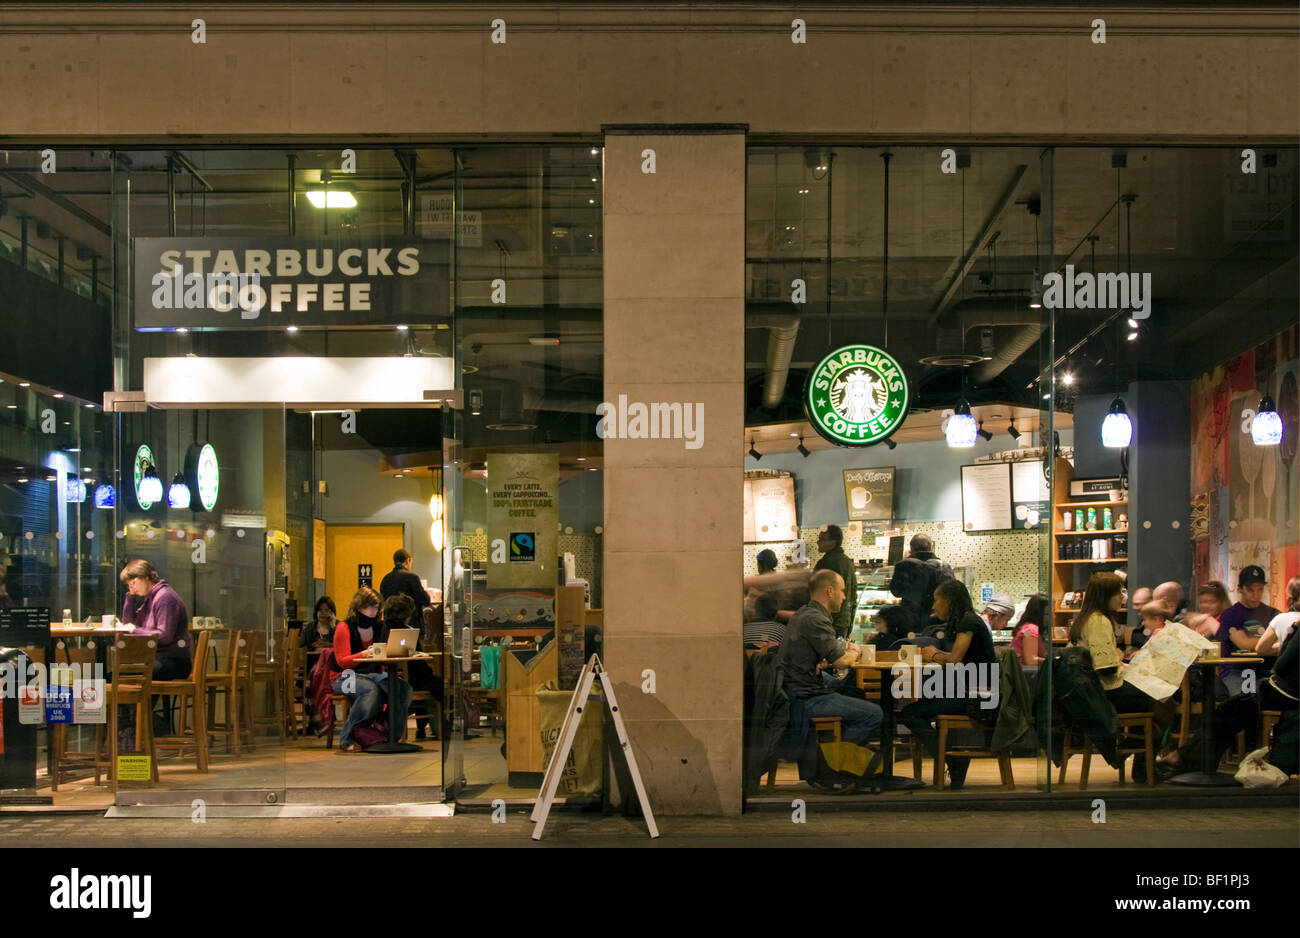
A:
(108, 621)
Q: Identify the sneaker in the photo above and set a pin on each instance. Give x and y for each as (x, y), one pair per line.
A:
(843, 788)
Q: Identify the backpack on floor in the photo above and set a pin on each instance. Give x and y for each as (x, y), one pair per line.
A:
(371, 733)
(848, 765)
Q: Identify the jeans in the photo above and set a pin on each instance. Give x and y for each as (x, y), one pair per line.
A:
(367, 695)
(861, 717)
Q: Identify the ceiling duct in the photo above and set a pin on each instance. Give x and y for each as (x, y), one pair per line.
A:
(780, 351)
(510, 416)
(954, 347)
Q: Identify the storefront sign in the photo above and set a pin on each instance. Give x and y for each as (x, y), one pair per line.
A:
(869, 494)
(523, 492)
(58, 696)
(857, 395)
(270, 283)
(202, 467)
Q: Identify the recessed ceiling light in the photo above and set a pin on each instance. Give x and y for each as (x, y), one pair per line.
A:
(582, 459)
(402, 328)
(22, 480)
(24, 384)
(90, 406)
(58, 396)
(13, 406)
(336, 198)
(290, 329)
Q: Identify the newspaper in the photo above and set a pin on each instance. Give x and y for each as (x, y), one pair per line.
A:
(1158, 668)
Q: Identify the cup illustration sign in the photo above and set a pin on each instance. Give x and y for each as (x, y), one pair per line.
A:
(859, 496)
(1022, 511)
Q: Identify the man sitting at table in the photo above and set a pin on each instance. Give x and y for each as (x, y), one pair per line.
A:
(811, 648)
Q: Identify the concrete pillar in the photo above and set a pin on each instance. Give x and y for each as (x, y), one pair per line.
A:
(674, 333)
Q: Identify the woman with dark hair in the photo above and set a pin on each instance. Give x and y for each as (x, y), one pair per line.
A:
(1094, 629)
(365, 683)
(894, 626)
(326, 620)
(766, 561)
(972, 643)
(1027, 642)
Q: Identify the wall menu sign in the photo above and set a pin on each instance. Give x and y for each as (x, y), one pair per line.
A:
(986, 497)
(1030, 497)
(523, 515)
(770, 507)
(869, 494)
(856, 395)
(270, 283)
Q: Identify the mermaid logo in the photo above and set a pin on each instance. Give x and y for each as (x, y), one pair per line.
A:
(857, 395)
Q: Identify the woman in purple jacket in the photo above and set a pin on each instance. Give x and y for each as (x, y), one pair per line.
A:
(154, 608)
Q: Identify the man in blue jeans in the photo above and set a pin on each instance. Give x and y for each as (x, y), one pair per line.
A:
(811, 649)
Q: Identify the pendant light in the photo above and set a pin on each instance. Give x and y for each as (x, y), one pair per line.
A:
(1266, 427)
(178, 494)
(962, 429)
(1117, 428)
(75, 490)
(105, 495)
(151, 489)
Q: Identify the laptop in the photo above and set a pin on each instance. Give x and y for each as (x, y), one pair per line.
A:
(402, 643)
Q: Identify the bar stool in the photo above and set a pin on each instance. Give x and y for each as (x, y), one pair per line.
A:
(272, 677)
(189, 691)
(61, 759)
(223, 678)
(132, 658)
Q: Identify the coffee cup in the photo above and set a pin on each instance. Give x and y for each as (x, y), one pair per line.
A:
(108, 621)
(868, 654)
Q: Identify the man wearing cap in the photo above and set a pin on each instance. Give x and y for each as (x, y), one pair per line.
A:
(1241, 625)
(830, 542)
(998, 612)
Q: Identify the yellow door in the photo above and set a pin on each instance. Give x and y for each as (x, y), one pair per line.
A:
(349, 546)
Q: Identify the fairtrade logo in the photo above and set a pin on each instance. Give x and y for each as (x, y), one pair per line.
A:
(522, 548)
(856, 396)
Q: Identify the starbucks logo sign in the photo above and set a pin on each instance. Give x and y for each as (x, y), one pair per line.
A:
(856, 396)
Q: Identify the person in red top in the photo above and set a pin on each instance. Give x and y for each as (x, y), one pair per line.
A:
(353, 674)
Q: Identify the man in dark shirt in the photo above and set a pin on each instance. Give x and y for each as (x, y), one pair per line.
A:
(1241, 625)
(401, 580)
(830, 542)
(811, 647)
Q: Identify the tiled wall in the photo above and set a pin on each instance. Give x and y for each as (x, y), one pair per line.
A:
(1010, 560)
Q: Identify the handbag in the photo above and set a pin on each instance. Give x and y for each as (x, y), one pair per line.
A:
(371, 733)
(1256, 771)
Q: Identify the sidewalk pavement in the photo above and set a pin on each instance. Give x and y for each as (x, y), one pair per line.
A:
(1124, 827)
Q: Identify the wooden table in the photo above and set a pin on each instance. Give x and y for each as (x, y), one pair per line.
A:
(1209, 776)
(888, 779)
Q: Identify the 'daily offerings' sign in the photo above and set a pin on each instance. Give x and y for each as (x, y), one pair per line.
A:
(225, 283)
(856, 395)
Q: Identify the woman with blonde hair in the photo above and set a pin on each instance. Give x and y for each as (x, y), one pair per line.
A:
(354, 676)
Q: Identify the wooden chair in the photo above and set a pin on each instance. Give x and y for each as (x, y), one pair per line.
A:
(296, 685)
(1144, 722)
(189, 691)
(261, 672)
(131, 664)
(61, 759)
(1187, 709)
(223, 677)
(342, 704)
(832, 725)
(946, 723)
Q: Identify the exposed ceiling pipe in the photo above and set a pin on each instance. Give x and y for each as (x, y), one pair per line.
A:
(780, 351)
(1009, 310)
(1008, 352)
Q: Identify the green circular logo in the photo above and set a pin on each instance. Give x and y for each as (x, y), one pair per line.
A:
(143, 458)
(856, 396)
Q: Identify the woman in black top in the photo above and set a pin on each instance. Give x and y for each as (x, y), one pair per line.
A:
(972, 643)
(319, 633)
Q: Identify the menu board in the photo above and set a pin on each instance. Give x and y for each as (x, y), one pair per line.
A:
(986, 497)
(770, 509)
(869, 494)
(1029, 496)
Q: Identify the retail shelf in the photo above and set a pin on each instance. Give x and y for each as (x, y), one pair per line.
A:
(1093, 533)
(1110, 560)
(1070, 506)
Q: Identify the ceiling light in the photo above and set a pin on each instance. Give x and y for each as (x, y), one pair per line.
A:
(1067, 378)
(22, 480)
(1117, 428)
(962, 430)
(58, 396)
(582, 459)
(74, 449)
(1013, 432)
(12, 406)
(1132, 323)
(753, 452)
(594, 151)
(796, 436)
(803, 450)
(543, 341)
(105, 496)
(24, 384)
(402, 328)
(178, 494)
(182, 330)
(75, 490)
(1266, 427)
(475, 402)
(981, 432)
(90, 407)
(291, 329)
(331, 198)
(150, 489)
(1132, 336)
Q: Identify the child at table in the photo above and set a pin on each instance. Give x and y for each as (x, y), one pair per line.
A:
(1155, 616)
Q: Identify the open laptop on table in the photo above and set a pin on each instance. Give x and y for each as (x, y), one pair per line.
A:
(402, 643)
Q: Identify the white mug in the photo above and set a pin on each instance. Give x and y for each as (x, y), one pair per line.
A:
(868, 654)
(108, 621)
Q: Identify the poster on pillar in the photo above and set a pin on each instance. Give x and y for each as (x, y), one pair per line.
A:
(523, 508)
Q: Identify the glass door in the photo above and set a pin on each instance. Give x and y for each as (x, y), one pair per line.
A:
(201, 509)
